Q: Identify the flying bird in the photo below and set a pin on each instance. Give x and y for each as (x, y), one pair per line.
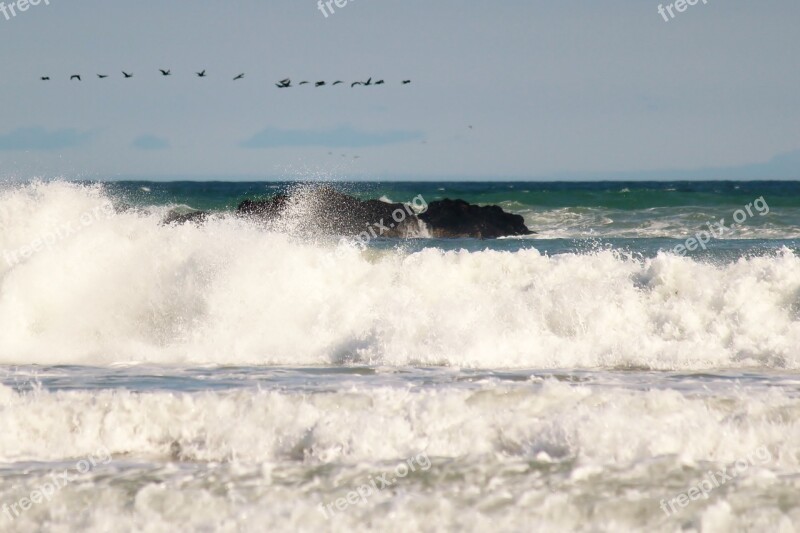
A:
(201, 74)
(240, 76)
(406, 82)
(368, 82)
(283, 84)
(101, 76)
(302, 83)
(75, 77)
(356, 83)
(45, 78)
(379, 82)
(337, 82)
(319, 84)
(165, 72)
(126, 74)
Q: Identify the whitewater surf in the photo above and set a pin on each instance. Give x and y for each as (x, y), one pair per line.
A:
(240, 374)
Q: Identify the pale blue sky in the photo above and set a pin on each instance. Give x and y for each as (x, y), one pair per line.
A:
(552, 89)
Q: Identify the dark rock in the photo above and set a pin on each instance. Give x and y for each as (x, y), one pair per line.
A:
(457, 218)
(177, 217)
(326, 210)
(269, 208)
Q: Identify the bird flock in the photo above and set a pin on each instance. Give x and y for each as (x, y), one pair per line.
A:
(282, 84)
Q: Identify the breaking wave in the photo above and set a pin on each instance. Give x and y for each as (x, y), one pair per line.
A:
(106, 285)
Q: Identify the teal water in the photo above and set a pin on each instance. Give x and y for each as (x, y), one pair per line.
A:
(569, 217)
(616, 195)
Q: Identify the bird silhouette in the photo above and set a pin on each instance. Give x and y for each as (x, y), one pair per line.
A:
(282, 84)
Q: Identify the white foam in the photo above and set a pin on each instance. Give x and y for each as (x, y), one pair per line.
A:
(552, 453)
(578, 424)
(126, 289)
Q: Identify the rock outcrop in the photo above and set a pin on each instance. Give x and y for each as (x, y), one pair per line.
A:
(328, 211)
(448, 219)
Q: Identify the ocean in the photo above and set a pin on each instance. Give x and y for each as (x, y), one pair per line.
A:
(631, 366)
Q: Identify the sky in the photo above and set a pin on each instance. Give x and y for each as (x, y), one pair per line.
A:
(515, 89)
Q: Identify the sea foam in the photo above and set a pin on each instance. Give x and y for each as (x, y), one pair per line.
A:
(126, 288)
